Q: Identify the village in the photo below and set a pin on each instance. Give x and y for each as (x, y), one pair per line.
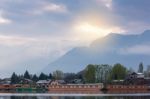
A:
(72, 83)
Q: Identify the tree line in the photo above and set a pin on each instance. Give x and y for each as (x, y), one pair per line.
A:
(56, 75)
(105, 73)
(16, 79)
(93, 73)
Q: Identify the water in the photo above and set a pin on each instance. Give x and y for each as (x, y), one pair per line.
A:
(34, 97)
(74, 96)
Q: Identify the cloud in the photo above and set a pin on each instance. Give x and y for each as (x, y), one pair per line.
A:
(14, 40)
(36, 46)
(40, 24)
(133, 15)
(135, 10)
(88, 32)
(20, 53)
(107, 3)
(143, 49)
(88, 27)
(4, 20)
(49, 7)
(55, 8)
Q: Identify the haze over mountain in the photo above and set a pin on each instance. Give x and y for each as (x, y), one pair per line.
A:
(128, 50)
(35, 33)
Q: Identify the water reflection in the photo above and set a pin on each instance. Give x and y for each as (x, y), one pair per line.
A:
(74, 97)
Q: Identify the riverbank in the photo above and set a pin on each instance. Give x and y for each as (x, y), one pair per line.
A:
(50, 94)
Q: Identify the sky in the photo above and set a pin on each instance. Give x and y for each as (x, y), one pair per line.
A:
(33, 33)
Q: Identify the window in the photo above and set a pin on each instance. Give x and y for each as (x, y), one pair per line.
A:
(113, 86)
(80, 86)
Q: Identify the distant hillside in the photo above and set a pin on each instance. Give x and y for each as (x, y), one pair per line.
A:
(129, 50)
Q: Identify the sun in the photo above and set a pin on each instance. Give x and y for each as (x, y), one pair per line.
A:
(89, 31)
(90, 28)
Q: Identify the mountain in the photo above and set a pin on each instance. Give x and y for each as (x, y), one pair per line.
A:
(128, 50)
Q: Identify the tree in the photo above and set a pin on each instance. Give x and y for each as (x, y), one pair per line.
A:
(103, 73)
(90, 74)
(140, 70)
(148, 68)
(35, 78)
(50, 76)
(14, 78)
(80, 75)
(147, 72)
(27, 75)
(43, 76)
(118, 72)
(69, 77)
(58, 75)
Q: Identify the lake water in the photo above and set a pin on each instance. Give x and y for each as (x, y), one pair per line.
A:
(45, 97)
(74, 96)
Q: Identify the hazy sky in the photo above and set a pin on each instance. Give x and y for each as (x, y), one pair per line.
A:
(34, 33)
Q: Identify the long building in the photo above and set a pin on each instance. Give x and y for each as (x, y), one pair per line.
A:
(128, 88)
(54, 86)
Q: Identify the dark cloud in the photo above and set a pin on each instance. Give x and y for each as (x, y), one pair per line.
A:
(134, 14)
(137, 10)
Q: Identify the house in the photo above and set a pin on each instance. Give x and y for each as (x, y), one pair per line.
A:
(61, 81)
(117, 82)
(136, 79)
(26, 81)
(77, 81)
(140, 75)
(43, 83)
(5, 81)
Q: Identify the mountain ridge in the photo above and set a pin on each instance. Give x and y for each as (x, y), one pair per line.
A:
(106, 50)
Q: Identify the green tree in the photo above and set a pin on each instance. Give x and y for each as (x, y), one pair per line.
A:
(27, 75)
(58, 75)
(35, 78)
(14, 79)
(89, 75)
(118, 72)
(43, 76)
(140, 70)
